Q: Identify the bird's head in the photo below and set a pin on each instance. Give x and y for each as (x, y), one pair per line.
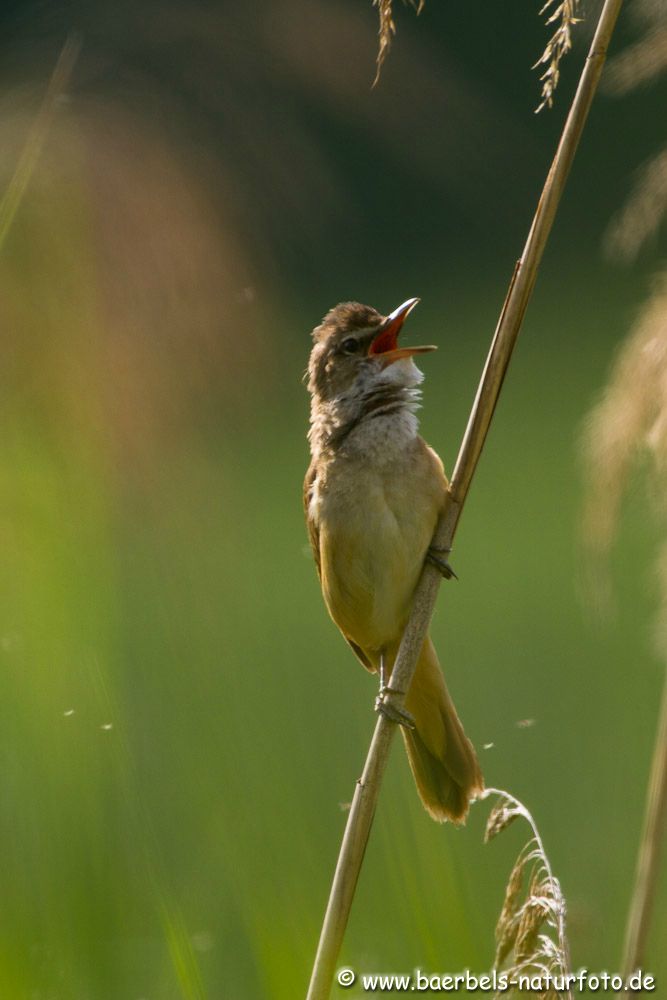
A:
(356, 349)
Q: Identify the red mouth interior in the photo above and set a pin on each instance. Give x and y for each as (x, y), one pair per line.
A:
(385, 341)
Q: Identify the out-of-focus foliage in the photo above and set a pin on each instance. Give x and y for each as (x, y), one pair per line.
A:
(642, 64)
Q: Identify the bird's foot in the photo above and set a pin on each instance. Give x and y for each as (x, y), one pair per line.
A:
(398, 715)
(437, 556)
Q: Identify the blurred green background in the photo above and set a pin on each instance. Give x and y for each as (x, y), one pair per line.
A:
(181, 723)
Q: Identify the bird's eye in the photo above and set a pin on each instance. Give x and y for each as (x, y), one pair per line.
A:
(350, 345)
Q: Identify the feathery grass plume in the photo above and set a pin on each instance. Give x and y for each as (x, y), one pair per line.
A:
(530, 933)
(641, 64)
(643, 213)
(565, 13)
(631, 422)
(388, 29)
(631, 418)
(560, 43)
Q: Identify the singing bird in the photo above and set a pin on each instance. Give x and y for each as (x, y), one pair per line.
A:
(372, 497)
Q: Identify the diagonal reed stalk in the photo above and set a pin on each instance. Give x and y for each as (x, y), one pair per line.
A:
(39, 130)
(361, 813)
(648, 861)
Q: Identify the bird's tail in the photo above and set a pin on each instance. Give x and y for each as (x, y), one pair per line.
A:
(442, 758)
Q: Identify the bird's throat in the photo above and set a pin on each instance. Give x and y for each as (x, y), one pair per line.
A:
(374, 423)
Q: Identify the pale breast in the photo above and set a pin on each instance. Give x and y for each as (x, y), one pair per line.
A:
(375, 521)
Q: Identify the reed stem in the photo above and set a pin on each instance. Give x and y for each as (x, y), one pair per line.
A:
(361, 814)
(648, 860)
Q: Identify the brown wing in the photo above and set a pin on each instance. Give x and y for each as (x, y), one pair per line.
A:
(314, 538)
(361, 656)
(313, 532)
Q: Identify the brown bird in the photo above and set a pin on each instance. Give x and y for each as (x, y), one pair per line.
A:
(372, 495)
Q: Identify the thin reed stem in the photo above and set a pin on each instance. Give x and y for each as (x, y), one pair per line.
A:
(361, 814)
(16, 189)
(648, 860)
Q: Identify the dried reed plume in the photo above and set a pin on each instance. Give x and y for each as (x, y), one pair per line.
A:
(641, 64)
(630, 423)
(530, 932)
(646, 60)
(631, 418)
(643, 212)
(560, 43)
(388, 29)
(564, 15)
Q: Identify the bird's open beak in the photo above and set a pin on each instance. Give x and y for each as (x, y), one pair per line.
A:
(385, 347)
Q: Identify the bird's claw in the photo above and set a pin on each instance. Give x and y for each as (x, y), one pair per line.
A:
(398, 715)
(438, 557)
